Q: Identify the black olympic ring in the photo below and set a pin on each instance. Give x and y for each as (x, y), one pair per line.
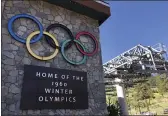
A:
(51, 42)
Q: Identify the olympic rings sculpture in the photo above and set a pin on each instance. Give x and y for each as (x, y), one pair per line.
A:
(51, 40)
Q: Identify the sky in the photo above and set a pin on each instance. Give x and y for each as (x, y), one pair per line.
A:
(132, 23)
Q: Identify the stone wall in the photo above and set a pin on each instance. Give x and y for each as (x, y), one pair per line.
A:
(15, 55)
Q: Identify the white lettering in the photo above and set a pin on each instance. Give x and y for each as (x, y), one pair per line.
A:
(74, 99)
(66, 91)
(52, 83)
(44, 74)
(52, 90)
(51, 98)
(73, 77)
(46, 99)
(70, 91)
(70, 99)
(50, 75)
(41, 98)
(81, 78)
(77, 78)
(62, 98)
(56, 76)
(66, 99)
(47, 90)
(62, 91)
(38, 74)
(65, 84)
(67, 77)
(57, 99)
(57, 91)
(56, 84)
(60, 83)
(63, 76)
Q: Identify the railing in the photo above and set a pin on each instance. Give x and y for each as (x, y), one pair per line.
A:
(102, 2)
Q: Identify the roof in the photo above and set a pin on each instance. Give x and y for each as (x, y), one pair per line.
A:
(98, 10)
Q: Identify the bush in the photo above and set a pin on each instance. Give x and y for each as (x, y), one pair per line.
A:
(155, 91)
(114, 110)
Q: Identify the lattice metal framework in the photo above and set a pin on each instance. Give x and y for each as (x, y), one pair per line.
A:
(134, 66)
(139, 59)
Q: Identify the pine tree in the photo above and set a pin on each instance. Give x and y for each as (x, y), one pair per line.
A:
(162, 84)
(144, 92)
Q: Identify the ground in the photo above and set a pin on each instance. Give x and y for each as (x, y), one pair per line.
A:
(158, 104)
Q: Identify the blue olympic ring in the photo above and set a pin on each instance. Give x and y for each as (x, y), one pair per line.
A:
(24, 16)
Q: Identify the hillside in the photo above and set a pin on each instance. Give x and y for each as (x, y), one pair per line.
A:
(151, 96)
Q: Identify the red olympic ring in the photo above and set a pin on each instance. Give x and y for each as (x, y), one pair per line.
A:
(93, 38)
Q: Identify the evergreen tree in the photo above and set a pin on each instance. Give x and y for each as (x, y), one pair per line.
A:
(162, 84)
(143, 92)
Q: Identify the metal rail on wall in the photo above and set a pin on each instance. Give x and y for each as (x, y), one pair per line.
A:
(103, 2)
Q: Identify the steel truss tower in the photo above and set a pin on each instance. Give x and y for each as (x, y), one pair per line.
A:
(136, 63)
(139, 59)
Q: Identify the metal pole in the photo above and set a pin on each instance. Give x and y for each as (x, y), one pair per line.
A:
(153, 60)
(121, 96)
(143, 66)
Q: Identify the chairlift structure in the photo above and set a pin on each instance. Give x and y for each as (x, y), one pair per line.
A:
(137, 62)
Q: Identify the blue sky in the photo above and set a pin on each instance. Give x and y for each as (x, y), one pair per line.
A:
(132, 23)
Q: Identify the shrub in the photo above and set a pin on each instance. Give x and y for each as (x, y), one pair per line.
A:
(114, 109)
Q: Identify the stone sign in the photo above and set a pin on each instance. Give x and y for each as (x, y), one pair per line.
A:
(51, 88)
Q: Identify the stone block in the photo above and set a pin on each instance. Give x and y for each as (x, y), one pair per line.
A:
(8, 54)
(14, 89)
(58, 18)
(8, 61)
(12, 107)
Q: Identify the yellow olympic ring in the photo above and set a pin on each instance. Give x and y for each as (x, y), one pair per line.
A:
(41, 57)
